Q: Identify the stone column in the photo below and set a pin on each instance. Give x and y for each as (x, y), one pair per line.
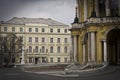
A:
(85, 10)
(93, 46)
(119, 7)
(108, 12)
(89, 47)
(83, 53)
(97, 7)
(75, 48)
(105, 50)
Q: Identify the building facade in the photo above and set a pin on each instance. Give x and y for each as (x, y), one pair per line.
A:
(43, 40)
(96, 32)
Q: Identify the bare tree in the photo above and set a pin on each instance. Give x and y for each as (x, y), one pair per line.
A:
(12, 46)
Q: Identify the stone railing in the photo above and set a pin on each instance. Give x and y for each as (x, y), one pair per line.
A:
(96, 21)
(104, 20)
(78, 25)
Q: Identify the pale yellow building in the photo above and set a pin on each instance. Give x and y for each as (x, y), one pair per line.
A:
(96, 32)
(44, 40)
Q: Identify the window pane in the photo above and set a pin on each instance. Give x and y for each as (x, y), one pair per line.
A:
(21, 29)
(36, 29)
(5, 29)
(43, 30)
(30, 29)
(36, 39)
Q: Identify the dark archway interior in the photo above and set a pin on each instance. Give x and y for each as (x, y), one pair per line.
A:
(113, 47)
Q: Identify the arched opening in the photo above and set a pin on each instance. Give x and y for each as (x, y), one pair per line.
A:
(113, 47)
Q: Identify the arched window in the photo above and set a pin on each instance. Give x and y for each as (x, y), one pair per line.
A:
(58, 49)
(114, 7)
(30, 49)
(102, 8)
(65, 49)
(43, 49)
(36, 49)
(51, 49)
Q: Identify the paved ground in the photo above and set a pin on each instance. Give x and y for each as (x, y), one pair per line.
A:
(17, 74)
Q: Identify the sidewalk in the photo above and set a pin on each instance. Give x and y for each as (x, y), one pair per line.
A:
(83, 73)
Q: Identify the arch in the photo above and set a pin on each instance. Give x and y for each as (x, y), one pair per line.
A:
(113, 46)
(106, 33)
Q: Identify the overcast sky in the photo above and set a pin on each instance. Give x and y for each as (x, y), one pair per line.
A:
(60, 10)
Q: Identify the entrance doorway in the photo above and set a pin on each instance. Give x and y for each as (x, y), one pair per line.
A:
(113, 47)
(36, 60)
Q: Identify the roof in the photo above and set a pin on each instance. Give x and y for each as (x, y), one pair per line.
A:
(23, 20)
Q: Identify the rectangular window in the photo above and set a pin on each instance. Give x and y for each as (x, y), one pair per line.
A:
(43, 30)
(36, 29)
(30, 29)
(58, 30)
(36, 39)
(58, 59)
(51, 60)
(30, 60)
(65, 60)
(51, 40)
(65, 31)
(13, 29)
(65, 40)
(43, 40)
(51, 30)
(21, 29)
(58, 40)
(5, 29)
(30, 39)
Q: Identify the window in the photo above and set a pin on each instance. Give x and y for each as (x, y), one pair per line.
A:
(65, 49)
(43, 49)
(21, 29)
(58, 59)
(65, 40)
(65, 60)
(36, 49)
(51, 60)
(43, 30)
(36, 29)
(58, 40)
(13, 29)
(43, 60)
(58, 30)
(58, 49)
(30, 49)
(51, 49)
(65, 31)
(43, 40)
(30, 29)
(30, 60)
(30, 39)
(51, 40)
(5, 29)
(51, 30)
(36, 39)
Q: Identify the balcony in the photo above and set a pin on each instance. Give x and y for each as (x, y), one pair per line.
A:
(104, 20)
(96, 20)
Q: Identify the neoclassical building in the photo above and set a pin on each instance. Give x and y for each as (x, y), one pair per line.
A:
(44, 40)
(96, 32)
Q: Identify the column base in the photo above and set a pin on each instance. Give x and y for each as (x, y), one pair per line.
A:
(22, 62)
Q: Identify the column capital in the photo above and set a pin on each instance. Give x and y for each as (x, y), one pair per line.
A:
(104, 40)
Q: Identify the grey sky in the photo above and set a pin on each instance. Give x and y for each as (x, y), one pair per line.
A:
(60, 10)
